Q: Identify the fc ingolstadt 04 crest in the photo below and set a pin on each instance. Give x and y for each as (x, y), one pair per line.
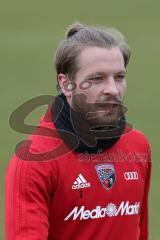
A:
(106, 174)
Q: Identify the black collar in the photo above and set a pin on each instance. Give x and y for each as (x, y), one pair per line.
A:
(76, 133)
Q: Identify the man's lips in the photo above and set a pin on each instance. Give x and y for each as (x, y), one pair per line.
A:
(108, 105)
(103, 109)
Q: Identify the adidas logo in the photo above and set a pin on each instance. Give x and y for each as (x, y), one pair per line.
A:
(80, 183)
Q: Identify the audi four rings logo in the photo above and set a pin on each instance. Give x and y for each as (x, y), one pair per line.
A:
(131, 175)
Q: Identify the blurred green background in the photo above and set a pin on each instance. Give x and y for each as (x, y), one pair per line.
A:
(29, 34)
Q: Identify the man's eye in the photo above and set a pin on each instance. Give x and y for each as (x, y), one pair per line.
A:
(120, 77)
(98, 78)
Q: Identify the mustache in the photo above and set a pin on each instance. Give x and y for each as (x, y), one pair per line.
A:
(110, 100)
(106, 100)
(106, 103)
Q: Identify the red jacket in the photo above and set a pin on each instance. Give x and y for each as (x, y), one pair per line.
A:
(62, 195)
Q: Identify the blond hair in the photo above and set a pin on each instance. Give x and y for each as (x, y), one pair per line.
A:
(78, 37)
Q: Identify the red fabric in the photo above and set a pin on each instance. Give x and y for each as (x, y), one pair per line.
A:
(39, 194)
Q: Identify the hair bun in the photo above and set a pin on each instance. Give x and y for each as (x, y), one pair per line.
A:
(73, 29)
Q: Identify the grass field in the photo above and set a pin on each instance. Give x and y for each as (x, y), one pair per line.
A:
(29, 34)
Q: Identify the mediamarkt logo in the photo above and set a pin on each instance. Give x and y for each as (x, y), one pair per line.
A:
(110, 210)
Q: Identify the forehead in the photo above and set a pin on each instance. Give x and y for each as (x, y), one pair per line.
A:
(101, 59)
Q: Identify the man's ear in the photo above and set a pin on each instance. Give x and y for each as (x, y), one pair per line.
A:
(64, 84)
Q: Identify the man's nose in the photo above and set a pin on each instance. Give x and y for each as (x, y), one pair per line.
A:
(110, 87)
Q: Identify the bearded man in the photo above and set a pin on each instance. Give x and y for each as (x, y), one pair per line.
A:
(52, 191)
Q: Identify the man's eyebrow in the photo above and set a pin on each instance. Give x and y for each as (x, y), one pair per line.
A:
(102, 73)
(122, 71)
(95, 73)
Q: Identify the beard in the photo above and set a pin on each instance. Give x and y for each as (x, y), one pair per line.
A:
(101, 114)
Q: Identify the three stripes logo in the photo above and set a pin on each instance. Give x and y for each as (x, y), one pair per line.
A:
(80, 182)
